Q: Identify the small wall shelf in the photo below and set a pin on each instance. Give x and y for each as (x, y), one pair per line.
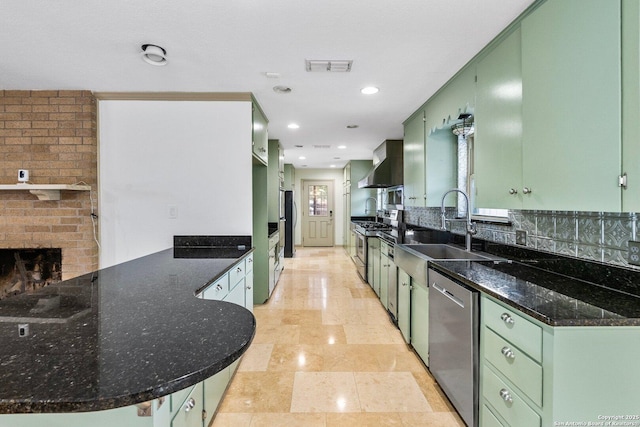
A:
(46, 191)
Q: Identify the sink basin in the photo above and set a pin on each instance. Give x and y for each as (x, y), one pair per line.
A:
(413, 258)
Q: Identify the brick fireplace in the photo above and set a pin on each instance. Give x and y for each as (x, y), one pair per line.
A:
(53, 135)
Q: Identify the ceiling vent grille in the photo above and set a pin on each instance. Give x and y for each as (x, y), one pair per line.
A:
(334, 66)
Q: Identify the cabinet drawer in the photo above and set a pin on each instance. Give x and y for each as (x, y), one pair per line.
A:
(519, 368)
(248, 263)
(236, 273)
(506, 402)
(218, 290)
(513, 327)
(190, 412)
(487, 419)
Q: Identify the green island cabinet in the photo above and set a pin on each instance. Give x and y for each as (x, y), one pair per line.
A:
(193, 406)
(404, 304)
(532, 374)
(549, 109)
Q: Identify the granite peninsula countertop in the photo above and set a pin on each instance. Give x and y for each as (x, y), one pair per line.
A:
(552, 298)
(121, 335)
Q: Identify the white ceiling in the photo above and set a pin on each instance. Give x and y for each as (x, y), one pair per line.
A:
(407, 48)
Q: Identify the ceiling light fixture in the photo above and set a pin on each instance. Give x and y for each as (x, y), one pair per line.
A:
(154, 55)
(293, 126)
(342, 147)
(282, 89)
(332, 166)
(302, 158)
(369, 90)
(353, 126)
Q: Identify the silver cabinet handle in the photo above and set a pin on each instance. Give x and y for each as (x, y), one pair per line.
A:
(513, 191)
(508, 353)
(404, 284)
(189, 404)
(506, 396)
(506, 318)
(218, 287)
(248, 287)
(526, 190)
(239, 270)
(250, 260)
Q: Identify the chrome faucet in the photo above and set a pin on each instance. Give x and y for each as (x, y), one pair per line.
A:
(471, 227)
(376, 205)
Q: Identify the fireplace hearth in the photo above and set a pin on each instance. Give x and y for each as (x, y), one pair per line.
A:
(24, 271)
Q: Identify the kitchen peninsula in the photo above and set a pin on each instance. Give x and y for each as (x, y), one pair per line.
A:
(125, 335)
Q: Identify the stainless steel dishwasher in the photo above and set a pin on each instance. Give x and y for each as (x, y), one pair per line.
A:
(453, 343)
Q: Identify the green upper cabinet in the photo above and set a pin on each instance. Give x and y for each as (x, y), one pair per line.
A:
(260, 136)
(498, 127)
(571, 110)
(414, 161)
(631, 103)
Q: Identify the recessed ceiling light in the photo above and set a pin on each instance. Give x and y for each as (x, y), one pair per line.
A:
(302, 158)
(353, 126)
(272, 75)
(332, 166)
(336, 158)
(154, 55)
(342, 147)
(281, 89)
(293, 126)
(369, 90)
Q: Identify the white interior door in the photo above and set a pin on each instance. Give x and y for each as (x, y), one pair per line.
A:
(317, 213)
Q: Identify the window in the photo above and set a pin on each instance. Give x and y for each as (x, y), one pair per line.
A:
(318, 200)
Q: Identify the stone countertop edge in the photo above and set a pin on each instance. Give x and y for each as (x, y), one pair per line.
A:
(441, 266)
(143, 345)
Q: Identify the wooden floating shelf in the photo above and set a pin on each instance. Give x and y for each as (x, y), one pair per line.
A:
(46, 191)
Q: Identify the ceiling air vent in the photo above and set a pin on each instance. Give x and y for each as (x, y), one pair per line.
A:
(334, 66)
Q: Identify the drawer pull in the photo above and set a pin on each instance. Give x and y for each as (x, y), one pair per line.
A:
(404, 284)
(506, 396)
(508, 353)
(239, 270)
(189, 404)
(506, 318)
(218, 287)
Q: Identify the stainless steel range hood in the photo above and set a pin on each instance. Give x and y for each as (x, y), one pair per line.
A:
(387, 166)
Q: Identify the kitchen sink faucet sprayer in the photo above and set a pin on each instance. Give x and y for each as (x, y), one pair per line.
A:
(471, 227)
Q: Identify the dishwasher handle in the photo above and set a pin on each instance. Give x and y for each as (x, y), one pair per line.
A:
(448, 294)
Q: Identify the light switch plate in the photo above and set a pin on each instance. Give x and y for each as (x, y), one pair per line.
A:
(634, 252)
(521, 237)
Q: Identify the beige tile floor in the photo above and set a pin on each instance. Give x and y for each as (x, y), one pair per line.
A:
(325, 354)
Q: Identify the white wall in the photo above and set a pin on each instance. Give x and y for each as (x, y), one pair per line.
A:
(335, 175)
(190, 158)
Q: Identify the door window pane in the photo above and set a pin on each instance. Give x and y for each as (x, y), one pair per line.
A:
(318, 200)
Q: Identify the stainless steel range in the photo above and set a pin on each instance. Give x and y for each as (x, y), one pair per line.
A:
(364, 230)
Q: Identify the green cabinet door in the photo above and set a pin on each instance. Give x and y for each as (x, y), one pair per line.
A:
(420, 320)
(414, 162)
(190, 412)
(259, 135)
(404, 304)
(214, 387)
(375, 280)
(571, 109)
(498, 127)
(384, 280)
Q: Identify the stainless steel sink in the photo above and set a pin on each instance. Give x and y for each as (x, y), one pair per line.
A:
(413, 258)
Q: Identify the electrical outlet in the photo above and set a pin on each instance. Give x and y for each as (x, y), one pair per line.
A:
(23, 329)
(173, 211)
(521, 237)
(634, 252)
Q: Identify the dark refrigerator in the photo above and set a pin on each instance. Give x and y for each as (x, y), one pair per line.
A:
(291, 218)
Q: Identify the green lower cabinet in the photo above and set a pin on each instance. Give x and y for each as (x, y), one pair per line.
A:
(384, 280)
(404, 304)
(214, 388)
(420, 320)
(373, 264)
(190, 413)
(248, 289)
(237, 294)
(558, 374)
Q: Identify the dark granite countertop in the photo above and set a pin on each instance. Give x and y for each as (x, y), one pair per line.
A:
(557, 290)
(552, 298)
(122, 335)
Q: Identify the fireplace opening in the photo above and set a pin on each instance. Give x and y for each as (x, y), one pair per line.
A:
(27, 270)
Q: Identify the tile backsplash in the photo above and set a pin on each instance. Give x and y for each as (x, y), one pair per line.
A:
(596, 236)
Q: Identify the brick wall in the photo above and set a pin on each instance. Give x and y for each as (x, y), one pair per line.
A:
(53, 135)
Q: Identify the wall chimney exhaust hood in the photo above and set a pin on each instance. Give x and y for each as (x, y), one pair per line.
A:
(387, 166)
